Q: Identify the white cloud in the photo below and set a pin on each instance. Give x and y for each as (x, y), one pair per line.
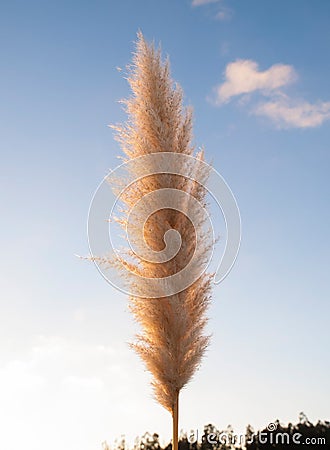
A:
(244, 77)
(287, 113)
(70, 395)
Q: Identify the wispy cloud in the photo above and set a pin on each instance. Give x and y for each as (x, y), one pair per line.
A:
(287, 113)
(242, 78)
(203, 2)
(223, 12)
(43, 389)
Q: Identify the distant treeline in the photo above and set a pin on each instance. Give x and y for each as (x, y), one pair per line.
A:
(303, 435)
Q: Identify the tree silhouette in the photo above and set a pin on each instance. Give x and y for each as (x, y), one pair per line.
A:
(304, 435)
(284, 437)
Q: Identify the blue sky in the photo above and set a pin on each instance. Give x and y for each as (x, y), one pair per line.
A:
(256, 74)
